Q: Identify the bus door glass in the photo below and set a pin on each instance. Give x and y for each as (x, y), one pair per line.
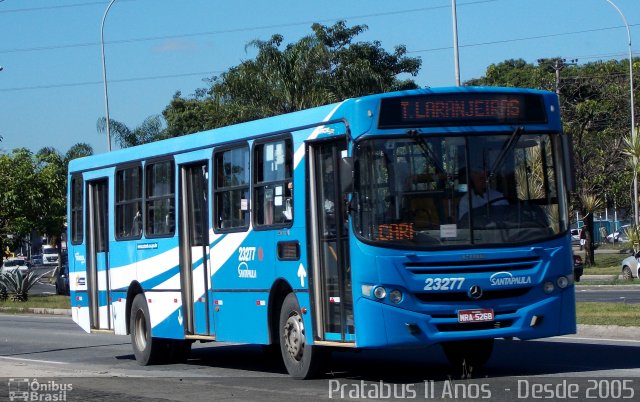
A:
(194, 248)
(333, 301)
(98, 278)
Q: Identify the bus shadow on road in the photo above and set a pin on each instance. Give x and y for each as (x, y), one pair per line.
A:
(510, 358)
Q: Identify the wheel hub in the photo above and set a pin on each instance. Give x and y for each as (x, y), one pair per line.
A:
(294, 336)
(141, 331)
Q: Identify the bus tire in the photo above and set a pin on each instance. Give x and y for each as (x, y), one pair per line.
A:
(301, 359)
(468, 355)
(146, 349)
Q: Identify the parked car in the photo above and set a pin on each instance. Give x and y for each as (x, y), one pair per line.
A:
(578, 267)
(575, 236)
(62, 281)
(36, 259)
(619, 236)
(630, 267)
(13, 264)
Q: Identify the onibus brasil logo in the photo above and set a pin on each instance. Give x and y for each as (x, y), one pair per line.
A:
(23, 389)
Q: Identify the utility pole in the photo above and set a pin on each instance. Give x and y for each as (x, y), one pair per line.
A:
(633, 119)
(557, 66)
(104, 77)
(456, 58)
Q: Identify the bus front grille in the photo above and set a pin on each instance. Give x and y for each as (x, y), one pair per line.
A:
(472, 266)
(462, 296)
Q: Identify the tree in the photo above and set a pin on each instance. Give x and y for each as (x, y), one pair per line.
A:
(17, 200)
(319, 69)
(52, 175)
(590, 204)
(33, 192)
(590, 99)
(78, 150)
(150, 130)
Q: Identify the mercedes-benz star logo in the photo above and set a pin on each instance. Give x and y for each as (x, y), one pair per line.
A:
(475, 292)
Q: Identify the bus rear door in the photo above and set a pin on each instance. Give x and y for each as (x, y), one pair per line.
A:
(194, 249)
(333, 300)
(98, 277)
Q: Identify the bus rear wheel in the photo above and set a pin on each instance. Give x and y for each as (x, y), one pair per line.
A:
(301, 359)
(147, 350)
(468, 355)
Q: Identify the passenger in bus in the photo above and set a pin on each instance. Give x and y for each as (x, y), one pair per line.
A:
(480, 193)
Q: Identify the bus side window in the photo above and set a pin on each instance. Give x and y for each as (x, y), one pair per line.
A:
(231, 188)
(273, 183)
(128, 203)
(160, 198)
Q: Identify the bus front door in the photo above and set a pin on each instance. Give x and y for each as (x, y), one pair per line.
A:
(98, 277)
(194, 249)
(333, 300)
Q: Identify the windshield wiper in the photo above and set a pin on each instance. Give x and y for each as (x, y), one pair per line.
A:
(418, 139)
(515, 136)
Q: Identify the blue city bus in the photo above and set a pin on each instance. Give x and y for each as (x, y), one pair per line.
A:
(404, 219)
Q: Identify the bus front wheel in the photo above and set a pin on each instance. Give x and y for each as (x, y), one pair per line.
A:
(146, 349)
(301, 359)
(468, 355)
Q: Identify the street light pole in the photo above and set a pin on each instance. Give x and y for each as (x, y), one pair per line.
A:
(104, 77)
(456, 59)
(633, 119)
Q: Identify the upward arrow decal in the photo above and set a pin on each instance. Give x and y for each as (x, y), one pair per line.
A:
(302, 274)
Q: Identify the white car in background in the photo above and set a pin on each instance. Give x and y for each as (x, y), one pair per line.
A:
(50, 255)
(575, 236)
(619, 236)
(12, 264)
(630, 267)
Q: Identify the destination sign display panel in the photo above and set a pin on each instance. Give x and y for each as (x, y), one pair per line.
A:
(461, 109)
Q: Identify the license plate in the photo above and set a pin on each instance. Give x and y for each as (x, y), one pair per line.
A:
(477, 315)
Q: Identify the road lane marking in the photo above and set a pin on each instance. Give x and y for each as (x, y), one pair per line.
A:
(31, 360)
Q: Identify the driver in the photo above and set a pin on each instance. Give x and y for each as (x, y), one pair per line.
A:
(479, 193)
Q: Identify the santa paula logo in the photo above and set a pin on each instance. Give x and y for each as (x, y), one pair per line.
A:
(504, 278)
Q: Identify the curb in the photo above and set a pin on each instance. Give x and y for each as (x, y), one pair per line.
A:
(36, 310)
(607, 332)
(50, 311)
(611, 277)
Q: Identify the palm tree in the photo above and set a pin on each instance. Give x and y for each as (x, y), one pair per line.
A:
(150, 130)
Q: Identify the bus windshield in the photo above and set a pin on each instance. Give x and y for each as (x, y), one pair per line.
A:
(436, 191)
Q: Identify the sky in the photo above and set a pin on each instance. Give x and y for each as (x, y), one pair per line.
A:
(51, 83)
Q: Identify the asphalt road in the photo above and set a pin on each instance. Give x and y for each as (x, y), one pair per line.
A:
(53, 350)
(608, 294)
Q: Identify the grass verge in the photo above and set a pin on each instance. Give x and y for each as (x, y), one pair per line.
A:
(590, 313)
(606, 264)
(37, 301)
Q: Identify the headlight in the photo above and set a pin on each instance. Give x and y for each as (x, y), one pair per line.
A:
(379, 292)
(548, 287)
(395, 296)
(562, 282)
